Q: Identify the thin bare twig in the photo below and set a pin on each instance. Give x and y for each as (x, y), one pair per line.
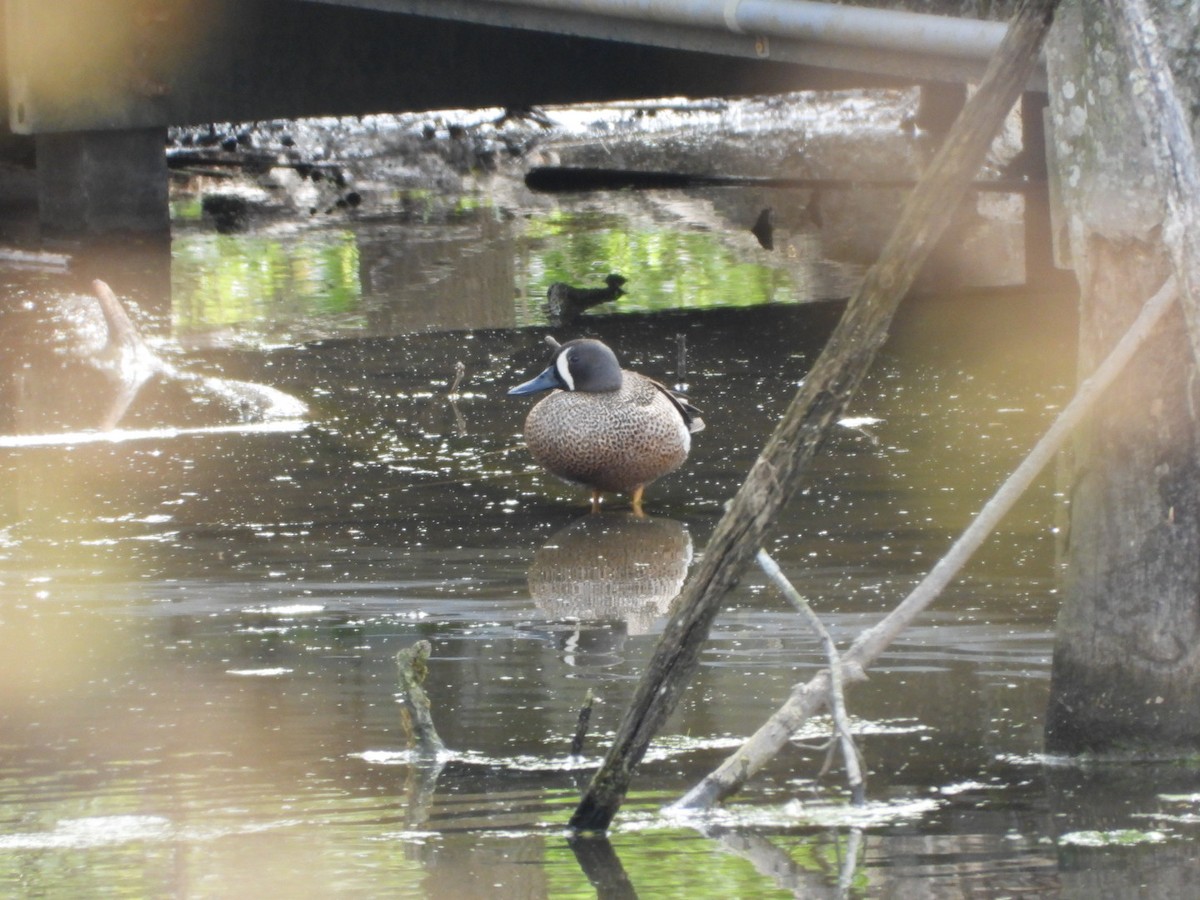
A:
(837, 699)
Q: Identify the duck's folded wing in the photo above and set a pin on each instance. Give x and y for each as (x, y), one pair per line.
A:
(691, 415)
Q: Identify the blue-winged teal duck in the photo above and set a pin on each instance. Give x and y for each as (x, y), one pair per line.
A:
(604, 427)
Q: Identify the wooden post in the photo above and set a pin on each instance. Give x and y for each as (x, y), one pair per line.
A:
(1126, 669)
(818, 404)
(1169, 133)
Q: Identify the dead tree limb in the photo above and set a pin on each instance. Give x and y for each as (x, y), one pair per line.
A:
(1172, 147)
(570, 179)
(810, 698)
(820, 401)
(581, 725)
(837, 695)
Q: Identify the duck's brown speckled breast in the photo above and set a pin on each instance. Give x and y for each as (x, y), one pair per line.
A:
(609, 441)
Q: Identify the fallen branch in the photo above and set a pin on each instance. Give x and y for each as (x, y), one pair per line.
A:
(821, 400)
(810, 698)
(837, 697)
(568, 179)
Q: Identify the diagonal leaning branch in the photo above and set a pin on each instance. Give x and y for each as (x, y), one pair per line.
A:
(808, 699)
(820, 401)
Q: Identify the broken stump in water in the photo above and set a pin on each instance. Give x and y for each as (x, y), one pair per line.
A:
(415, 716)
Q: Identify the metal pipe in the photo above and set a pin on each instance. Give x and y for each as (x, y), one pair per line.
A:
(855, 26)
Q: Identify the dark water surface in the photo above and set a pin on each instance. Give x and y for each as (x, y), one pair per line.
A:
(199, 622)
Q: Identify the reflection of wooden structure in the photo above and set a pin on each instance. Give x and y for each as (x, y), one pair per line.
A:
(97, 82)
(611, 568)
(453, 277)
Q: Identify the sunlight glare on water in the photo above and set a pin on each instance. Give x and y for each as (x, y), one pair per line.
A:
(200, 610)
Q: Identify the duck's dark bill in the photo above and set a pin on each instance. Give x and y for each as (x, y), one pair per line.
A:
(547, 381)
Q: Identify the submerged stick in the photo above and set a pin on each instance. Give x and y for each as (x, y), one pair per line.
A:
(819, 403)
(581, 726)
(415, 716)
(837, 697)
(460, 371)
(808, 699)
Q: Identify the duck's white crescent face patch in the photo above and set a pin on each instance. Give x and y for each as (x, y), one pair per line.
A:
(563, 364)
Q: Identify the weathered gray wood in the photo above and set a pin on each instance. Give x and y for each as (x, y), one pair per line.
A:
(1126, 672)
(1169, 135)
(820, 401)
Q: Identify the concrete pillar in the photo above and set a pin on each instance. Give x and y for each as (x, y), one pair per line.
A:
(91, 182)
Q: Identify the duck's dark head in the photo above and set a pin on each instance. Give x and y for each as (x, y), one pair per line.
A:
(583, 365)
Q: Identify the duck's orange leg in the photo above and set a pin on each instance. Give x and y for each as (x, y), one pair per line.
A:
(636, 499)
(595, 501)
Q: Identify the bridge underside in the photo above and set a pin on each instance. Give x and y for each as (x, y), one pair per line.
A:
(98, 81)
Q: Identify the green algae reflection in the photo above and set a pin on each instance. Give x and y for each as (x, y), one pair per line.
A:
(265, 285)
(665, 268)
(314, 283)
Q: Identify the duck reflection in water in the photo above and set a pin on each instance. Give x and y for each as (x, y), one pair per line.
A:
(617, 569)
(566, 303)
(605, 427)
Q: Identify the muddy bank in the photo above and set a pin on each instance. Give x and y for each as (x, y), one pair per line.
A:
(430, 168)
